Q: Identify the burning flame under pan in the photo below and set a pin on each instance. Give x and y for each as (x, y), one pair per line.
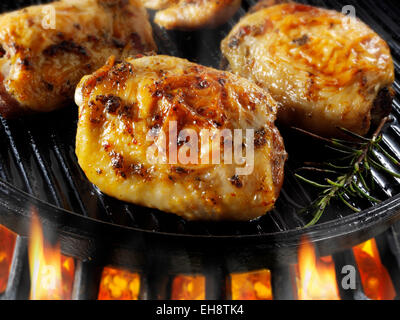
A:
(39, 172)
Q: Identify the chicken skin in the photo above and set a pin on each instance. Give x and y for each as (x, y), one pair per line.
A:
(326, 70)
(192, 14)
(125, 144)
(46, 49)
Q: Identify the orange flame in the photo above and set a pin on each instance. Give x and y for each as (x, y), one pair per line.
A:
(51, 273)
(316, 276)
(118, 284)
(375, 279)
(252, 285)
(7, 244)
(188, 288)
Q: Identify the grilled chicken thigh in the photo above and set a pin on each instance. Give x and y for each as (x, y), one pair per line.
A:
(128, 110)
(41, 63)
(192, 14)
(326, 70)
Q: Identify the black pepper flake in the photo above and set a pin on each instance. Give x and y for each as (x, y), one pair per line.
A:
(234, 43)
(180, 170)
(260, 137)
(235, 180)
(106, 146)
(117, 160)
(157, 94)
(180, 141)
(302, 40)
(49, 86)
(112, 104)
(25, 63)
(221, 81)
(217, 124)
(203, 84)
(138, 169)
(126, 112)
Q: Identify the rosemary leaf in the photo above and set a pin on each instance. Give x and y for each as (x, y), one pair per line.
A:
(392, 159)
(365, 194)
(354, 135)
(353, 170)
(335, 184)
(348, 204)
(362, 180)
(318, 214)
(317, 170)
(313, 183)
(340, 150)
(337, 166)
(381, 167)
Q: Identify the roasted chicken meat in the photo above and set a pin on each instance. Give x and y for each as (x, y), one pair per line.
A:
(46, 49)
(124, 138)
(325, 69)
(192, 14)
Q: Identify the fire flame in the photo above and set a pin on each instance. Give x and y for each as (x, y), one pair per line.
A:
(51, 273)
(7, 244)
(188, 288)
(316, 276)
(252, 285)
(375, 279)
(118, 284)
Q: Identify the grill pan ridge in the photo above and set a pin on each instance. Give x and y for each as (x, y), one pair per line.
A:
(38, 166)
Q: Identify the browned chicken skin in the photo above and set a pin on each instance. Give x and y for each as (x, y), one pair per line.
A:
(121, 104)
(40, 64)
(192, 14)
(326, 70)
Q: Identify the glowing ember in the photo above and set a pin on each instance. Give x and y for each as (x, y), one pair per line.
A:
(7, 244)
(119, 285)
(67, 276)
(188, 288)
(375, 279)
(51, 273)
(252, 285)
(316, 276)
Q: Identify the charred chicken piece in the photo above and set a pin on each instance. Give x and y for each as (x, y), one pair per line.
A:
(325, 69)
(46, 49)
(132, 139)
(192, 14)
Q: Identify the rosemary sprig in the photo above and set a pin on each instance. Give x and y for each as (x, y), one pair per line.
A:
(350, 173)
